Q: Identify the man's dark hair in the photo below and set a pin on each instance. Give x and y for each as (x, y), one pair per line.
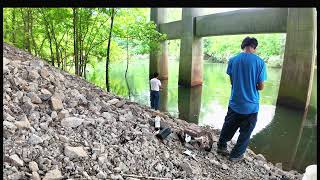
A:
(155, 75)
(248, 41)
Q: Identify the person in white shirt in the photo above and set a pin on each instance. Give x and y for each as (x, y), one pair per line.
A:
(155, 87)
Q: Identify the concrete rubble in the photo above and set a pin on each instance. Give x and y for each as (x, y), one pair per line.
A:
(58, 126)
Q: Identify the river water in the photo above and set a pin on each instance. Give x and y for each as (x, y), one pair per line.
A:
(281, 134)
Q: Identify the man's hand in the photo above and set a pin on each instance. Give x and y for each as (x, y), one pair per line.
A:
(260, 86)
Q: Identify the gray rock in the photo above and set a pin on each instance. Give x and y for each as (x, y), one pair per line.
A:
(266, 167)
(45, 91)
(123, 167)
(260, 157)
(37, 64)
(44, 73)
(16, 160)
(56, 103)
(113, 101)
(101, 175)
(35, 176)
(63, 114)
(34, 139)
(71, 122)
(23, 123)
(116, 177)
(33, 75)
(158, 167)
(120, 104)
(75, 152)
(9, 125)
(224, 166)
(86, 175)
(33, 166)
(64, 138)
(53, 175)
(34, 98)
(278, 165)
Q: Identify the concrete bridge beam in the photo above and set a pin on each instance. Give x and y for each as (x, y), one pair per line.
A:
(299, 58)
(190, 65)
(159, 59)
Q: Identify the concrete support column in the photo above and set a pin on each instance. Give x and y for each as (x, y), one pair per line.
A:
(190, 65)
(189, 103)
(164, 96)
(299, 58)
(159, 59)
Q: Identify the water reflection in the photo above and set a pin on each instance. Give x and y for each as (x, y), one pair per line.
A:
(289, 138)
(189, 103)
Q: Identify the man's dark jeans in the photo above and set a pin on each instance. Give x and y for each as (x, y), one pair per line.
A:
(233, 121)
(155, 99)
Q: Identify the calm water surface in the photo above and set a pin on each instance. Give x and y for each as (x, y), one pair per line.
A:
(281, 134)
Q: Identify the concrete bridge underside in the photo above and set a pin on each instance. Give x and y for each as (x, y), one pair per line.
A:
(300, 24)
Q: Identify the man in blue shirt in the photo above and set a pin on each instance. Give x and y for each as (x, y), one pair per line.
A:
(247, 73)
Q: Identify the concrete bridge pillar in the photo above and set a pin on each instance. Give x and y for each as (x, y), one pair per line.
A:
(299, 58)
(189, 103)
(164, 96)
(190, 65)
(159, 59)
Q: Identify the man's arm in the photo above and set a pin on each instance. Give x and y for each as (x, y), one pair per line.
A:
(230, 80)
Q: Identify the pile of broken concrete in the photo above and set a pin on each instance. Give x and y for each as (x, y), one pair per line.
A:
(58, 126)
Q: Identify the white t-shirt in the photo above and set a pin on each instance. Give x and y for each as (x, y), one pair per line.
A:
(155, 84)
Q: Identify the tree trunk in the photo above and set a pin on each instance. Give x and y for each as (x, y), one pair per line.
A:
(51, 50)
(125, 75)
(13, 40)
(34, 45)
(108, 51)
(28, 44)
(75, 41)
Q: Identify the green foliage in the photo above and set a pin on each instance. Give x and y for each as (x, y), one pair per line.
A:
(221, 48)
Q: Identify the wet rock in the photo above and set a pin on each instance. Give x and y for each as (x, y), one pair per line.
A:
(75, 152)
(71, 122)
(278, 165)
(266, 167)
(260, 157)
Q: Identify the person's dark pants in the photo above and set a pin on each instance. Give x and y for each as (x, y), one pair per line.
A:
(155, 99)
(233, 121)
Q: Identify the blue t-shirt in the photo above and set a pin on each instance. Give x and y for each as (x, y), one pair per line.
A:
(245, 71)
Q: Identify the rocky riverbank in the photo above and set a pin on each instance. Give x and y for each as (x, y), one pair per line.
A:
(58, 126)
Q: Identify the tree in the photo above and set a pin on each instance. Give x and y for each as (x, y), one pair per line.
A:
(108, 48)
